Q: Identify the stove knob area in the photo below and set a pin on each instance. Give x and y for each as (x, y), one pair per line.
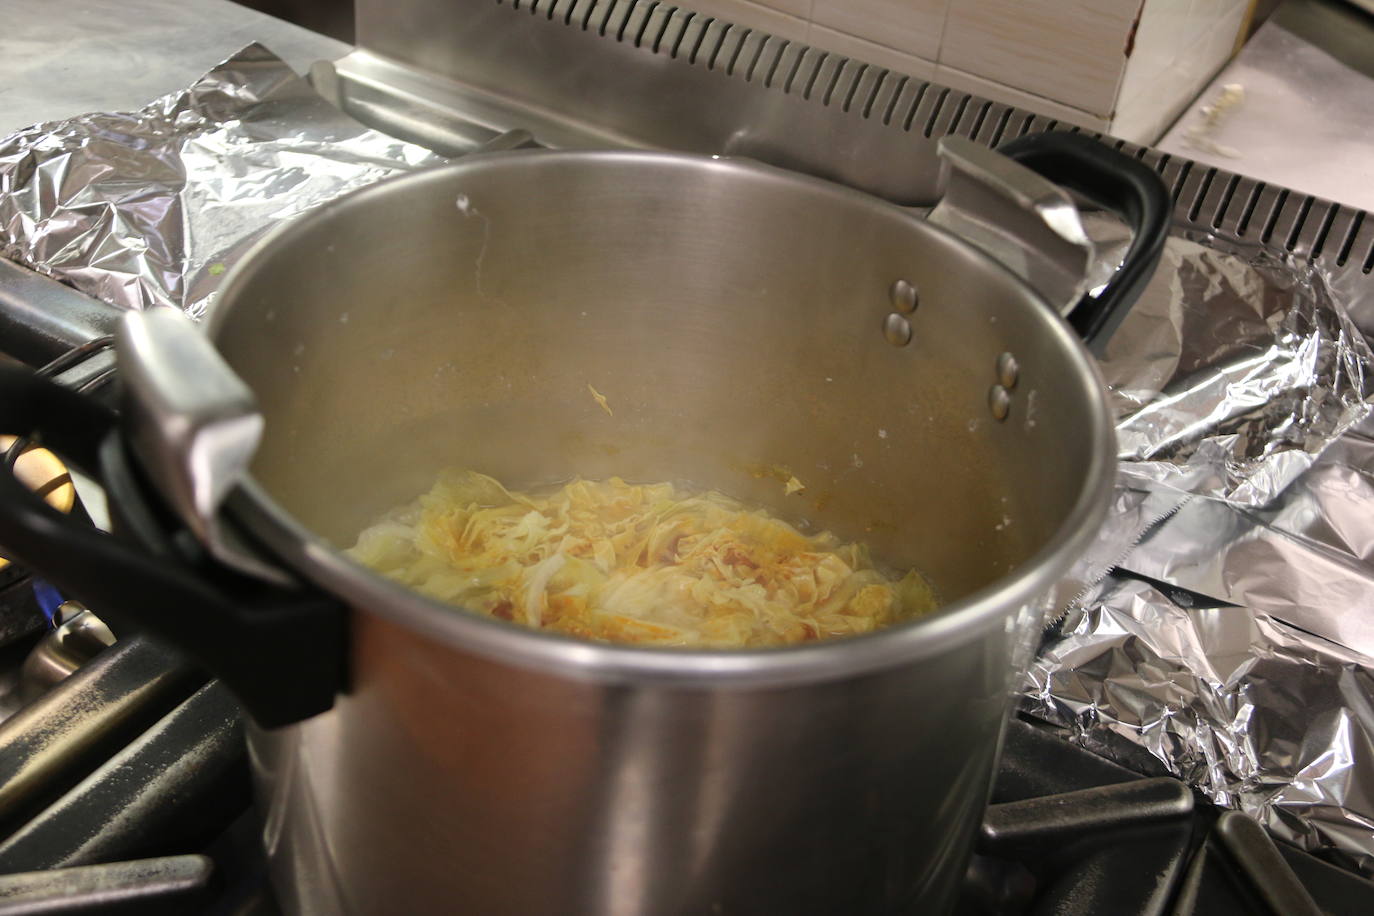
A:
(77, 638)
(44, 473)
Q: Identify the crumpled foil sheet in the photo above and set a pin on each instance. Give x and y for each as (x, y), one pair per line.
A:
(1237, 381)
(151, 207)
(1306, 557)
(1233, 373)
(1229, 378)
(1258, 714)
(1242, 391)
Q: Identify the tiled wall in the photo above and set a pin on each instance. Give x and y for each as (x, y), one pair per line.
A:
(1065, 58)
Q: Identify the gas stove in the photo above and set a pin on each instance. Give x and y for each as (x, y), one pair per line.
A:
(125, 788)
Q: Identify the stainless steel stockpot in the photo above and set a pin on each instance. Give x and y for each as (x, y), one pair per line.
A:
(735, 316)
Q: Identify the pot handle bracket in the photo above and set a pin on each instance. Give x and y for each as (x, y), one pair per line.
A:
(1012, 204)
(280, 648)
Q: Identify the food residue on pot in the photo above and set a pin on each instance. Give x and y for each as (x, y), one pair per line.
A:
(600, 399)
(656, 564)
(779, 472)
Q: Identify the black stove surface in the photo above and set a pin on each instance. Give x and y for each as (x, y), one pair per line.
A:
(1072, 833)
(125, 789)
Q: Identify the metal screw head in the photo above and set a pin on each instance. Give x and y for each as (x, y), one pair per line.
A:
(1008, 370)
(999, 402)
(897, 330)
(904, 297)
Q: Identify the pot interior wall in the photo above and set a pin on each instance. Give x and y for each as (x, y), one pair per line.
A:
(732, 317)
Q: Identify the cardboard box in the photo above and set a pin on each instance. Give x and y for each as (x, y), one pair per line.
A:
(1127, 67)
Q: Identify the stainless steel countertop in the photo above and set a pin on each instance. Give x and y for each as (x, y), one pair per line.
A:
(1306, 120)
(60, 58)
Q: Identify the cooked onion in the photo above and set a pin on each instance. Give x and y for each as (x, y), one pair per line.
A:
(645, 564)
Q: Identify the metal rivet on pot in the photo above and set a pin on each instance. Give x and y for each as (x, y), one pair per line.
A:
(897, 330)
(1008, 370)
(904, 298)
(999, 402)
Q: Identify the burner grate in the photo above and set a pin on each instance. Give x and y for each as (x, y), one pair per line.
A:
(1070, 832)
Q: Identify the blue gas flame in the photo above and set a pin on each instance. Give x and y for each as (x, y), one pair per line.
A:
(49, 600)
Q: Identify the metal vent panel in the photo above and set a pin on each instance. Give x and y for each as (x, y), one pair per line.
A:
(734, 90)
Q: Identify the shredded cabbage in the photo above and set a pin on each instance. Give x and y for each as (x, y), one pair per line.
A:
(646, 564)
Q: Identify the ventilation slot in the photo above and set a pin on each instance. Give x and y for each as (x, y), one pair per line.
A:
(640, 20)
(767, 46)
(952, 125)
(1001, 128)
(935, 112)
(795, 71)
(1291, 243)
(1228, 193)
(715, 38)
(915, 106)
(815, 74)
(1324, 230)
(597, 14)
(1199, 193)
(979, 118)
(617, 19)
(683, 24)
(885, 78)
(1350, 236)
(1212, 199)
(1181, 180)
(1249, 211)
(854, 86)
(785, 50)
(700, 46)
(1274, 216)
(740, 40)
(1017, 125)
(620, 21)
(837, 66)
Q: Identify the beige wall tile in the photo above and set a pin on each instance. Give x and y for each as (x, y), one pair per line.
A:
(1068, 51)
(911, 26)
(871, 53)
(799, 8)
(999, 92)
(753, 16)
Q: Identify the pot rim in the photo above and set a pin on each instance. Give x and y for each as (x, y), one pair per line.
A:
(966, 618)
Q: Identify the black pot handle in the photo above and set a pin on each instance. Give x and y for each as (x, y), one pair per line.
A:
(282, 651)
(1120, 184)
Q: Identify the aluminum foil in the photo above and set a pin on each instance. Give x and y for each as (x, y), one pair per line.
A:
(1258, 714)
(1229, 378)
(1307, 557)
(151, 207)
(1233, 373)
(1242, 392)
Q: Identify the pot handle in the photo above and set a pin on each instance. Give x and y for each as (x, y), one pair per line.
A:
(1012, 204)
(1120, 184)
(282, 650)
